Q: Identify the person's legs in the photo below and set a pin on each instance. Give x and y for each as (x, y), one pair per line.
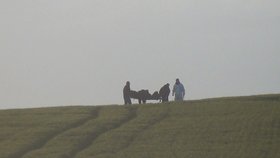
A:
(164, 99)
(127, 100)
(178, 98)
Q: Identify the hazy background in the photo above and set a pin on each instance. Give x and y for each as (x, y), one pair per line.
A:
(81, 52)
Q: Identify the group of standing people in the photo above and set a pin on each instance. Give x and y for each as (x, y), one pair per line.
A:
(178, 91)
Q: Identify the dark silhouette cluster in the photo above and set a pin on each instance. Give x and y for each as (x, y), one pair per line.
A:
(144, 95)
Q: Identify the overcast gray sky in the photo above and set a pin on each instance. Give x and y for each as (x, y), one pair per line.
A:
(81, 52)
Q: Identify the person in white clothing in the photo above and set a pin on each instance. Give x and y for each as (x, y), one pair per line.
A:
(178, 91)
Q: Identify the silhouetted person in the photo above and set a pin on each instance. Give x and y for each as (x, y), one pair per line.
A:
(126, 93)
(178, 90)
(164, 92)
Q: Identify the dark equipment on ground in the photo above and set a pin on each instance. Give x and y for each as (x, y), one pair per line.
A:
(144, 95)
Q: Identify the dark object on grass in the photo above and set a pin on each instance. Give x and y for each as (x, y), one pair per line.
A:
(144, 95)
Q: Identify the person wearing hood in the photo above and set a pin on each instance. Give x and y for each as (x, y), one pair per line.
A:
(178, 91)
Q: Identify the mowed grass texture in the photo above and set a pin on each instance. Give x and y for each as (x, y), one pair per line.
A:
(243, 127)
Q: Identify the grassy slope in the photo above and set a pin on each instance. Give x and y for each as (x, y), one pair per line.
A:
(243, 127)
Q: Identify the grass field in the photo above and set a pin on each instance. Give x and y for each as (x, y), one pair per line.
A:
(234, 127)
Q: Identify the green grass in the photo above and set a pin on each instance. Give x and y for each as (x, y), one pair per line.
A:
(243, 127)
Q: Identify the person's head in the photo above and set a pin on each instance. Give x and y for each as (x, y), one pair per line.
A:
(167, 84)
(127, 83)
(177, 81)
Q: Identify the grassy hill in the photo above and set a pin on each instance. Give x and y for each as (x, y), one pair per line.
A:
(243, 127)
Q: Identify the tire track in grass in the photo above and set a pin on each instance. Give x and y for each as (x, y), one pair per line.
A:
(131, 138)
(40, 143)
(96, 134)
(137, 134)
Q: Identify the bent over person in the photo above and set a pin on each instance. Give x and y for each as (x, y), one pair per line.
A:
(164, 92)
(126, 93)
(178, 90)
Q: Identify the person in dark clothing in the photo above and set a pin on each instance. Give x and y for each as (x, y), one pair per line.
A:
(164, 92)
(126, 93)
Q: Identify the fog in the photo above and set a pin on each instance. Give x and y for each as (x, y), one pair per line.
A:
(69, 52)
